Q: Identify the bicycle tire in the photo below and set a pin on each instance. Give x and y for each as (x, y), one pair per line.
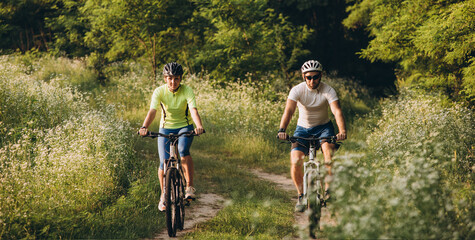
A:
(181, 197)
(314, 198)
(171, 202)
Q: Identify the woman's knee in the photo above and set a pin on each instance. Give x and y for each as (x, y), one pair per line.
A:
(186, 159)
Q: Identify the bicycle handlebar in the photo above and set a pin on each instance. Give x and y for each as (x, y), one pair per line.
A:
(171, 135)
(292, 139)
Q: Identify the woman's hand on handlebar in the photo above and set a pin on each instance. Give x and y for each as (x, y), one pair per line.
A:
(199, 130)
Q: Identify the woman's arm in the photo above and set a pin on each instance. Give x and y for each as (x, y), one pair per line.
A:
(148, 120)
(197, 120)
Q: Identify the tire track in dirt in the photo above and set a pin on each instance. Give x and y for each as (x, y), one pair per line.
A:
(301, 219)
(206, 206)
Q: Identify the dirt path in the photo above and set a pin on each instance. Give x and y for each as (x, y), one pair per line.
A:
(301, 219)
(204, 208)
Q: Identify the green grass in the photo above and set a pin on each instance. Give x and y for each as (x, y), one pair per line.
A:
(254, 208)
(72, 166)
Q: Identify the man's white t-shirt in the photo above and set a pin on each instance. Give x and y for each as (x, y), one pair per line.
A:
(313, 103)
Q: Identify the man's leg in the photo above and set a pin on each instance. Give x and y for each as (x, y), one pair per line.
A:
(296, 160)
(328, 149)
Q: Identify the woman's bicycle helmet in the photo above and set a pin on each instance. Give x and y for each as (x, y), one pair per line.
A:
(311, 66)
(172, 68)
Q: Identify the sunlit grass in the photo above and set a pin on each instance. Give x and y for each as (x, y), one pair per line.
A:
(72, 166)
(254, 208)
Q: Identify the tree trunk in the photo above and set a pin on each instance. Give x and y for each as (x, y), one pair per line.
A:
(154, 59)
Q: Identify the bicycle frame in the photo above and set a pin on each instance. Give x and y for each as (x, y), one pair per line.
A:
(174, 161)
(313, 188)
(311, 170)
(174, 183)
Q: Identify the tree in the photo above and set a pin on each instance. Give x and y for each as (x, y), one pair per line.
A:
(22, 25)
(68, 28)
(247, 39)
(431, 41)
(119, 30)
(334, 45)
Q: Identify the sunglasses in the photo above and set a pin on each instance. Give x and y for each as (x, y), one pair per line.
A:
(314, 77)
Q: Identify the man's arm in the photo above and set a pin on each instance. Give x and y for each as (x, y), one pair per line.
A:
(148, 120)
(340, 120)
(290, 107)
(197, 120)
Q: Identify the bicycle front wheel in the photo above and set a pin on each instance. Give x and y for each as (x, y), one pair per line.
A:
(181, 202)
(172, 209)
(314, 206)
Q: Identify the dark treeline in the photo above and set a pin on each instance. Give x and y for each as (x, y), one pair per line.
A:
(227, 39)
(426, 43)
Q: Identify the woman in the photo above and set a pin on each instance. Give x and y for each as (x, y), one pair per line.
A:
(177, 102)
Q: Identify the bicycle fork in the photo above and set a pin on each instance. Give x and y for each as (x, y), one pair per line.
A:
(311, 173)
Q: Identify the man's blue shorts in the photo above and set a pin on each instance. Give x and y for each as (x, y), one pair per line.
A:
(325, 130)
(184, 143)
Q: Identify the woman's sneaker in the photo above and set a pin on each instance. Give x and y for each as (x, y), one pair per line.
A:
(190, 193)
(161, 204)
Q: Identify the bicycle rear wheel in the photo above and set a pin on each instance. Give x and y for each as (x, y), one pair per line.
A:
(315, 206)
(172, 208)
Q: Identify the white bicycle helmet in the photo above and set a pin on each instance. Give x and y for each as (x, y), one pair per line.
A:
(310, 66)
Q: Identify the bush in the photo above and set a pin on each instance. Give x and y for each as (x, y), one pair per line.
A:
(417, 181)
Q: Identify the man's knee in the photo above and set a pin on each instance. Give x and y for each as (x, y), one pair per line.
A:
(296, 158)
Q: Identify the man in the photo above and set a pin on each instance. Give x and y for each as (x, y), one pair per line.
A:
(313, 98)
(177, 102)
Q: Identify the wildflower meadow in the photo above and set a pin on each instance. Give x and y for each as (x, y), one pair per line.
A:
(71, 165)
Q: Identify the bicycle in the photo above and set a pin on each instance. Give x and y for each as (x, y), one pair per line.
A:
(174, 184)
(313, 187)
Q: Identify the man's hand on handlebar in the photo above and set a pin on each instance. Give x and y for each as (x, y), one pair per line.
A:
(282, 135)
(341, 136)
(143, 131)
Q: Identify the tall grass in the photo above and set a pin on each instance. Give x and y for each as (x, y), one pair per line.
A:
(417, 180)
(64, 72)
(59, 159)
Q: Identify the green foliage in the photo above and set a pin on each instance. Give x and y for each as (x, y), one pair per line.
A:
(417, 181)
(68, 29)
(119, 30)
(432, 41)
(247, 39)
